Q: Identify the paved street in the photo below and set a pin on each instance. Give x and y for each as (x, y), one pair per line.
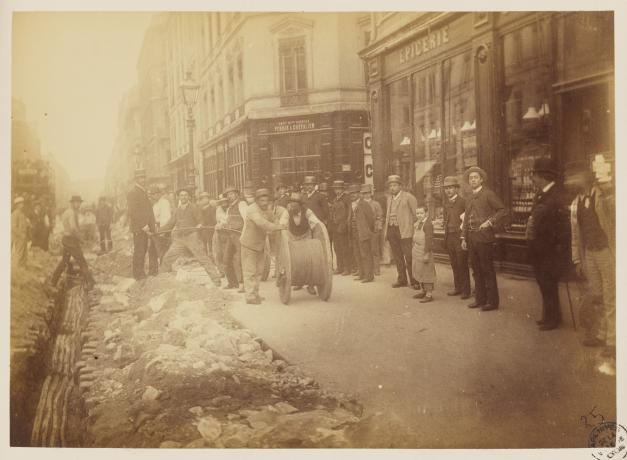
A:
(440, 374)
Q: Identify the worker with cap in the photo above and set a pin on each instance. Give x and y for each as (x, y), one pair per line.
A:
(339, 228)
(362, 221)
(258, 224)
(185, 224)
(71, 243)
(484, 213)
(230, 222)
(593, 251)
(20, 233)
(315, 200)
(141, 221)
(104, 219)
(454, 208)
(399, 230)
(547, 234)
(375, 240)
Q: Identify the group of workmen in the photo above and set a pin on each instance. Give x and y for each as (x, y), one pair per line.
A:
(235, 238)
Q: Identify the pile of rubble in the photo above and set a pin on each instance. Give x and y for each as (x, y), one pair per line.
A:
(164, 365)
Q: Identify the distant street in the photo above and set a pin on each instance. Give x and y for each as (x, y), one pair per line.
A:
(440, 374)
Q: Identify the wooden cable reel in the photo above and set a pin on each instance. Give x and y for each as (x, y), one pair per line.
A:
(305, 262)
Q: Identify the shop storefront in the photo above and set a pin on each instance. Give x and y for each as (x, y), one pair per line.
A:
(285, 150)
(496, 90)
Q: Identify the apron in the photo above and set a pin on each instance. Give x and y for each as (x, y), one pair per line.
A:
(424, 272)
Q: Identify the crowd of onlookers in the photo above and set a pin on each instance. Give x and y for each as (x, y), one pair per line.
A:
(231, 236)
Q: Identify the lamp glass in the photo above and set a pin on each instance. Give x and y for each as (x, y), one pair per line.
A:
(189, 88)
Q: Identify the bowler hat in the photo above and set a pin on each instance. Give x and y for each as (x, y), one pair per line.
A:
(394, 178)
(353, 188)
(338, 184)
(476, 169)
(545, 165)
(309, 180)
(230, 189)
(366, 188)
(262, 192)
(323, 187)
(76, 198)
(450, 181)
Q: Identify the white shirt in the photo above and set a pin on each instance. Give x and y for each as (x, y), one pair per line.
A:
(162, 211)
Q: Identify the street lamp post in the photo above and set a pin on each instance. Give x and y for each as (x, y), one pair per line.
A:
(189, 90)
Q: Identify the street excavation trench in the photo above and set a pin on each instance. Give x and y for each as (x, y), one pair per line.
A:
(161, 363)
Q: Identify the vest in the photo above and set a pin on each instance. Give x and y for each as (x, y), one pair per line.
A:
(592, 235)
(234, 219)
(303, 227)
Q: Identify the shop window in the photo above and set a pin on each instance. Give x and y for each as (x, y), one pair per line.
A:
(401, 137)
(294, 157)
(293, 71)
(236, 161)
(528, 111)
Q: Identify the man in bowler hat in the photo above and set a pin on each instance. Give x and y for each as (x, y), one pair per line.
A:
(454, 208)
(484, 212)
(142, 221)
(547, 235)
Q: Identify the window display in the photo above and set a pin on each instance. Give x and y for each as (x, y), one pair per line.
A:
(295, 156)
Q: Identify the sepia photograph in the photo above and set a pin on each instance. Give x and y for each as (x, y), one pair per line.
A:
(292, 229)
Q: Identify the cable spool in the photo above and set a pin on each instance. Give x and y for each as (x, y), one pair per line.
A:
(305, 261)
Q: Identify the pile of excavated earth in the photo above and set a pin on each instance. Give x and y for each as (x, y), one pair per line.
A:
(163, 364)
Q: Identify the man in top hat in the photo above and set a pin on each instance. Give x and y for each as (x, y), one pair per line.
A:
(104, 219)
(141, 221)
(399, 229)
(230, 222)
(185, 224)
(454, 208)
(259, 222)
(362, 223)
(366, 195)
(20, 232)
(547, 236)
(484, 212)
(71, 243)
(339, 228)
(315, 200)
(593, 246)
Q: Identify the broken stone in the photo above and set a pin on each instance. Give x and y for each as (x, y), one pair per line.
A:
(196, 410)
(170, 445)
(285, 408)
(209, 428)
(236, 435)
(150, 394)
(196, 444)
(122, 284)
(269, 354)
(157, 303)
(219, 400)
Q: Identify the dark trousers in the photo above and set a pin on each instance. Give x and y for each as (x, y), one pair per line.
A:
(401, 250)
(233, 259)
(355, 253)
(106, 244)
(481, 256)
(459, 263)
(141, 246)
(366, 260)
(71, 249)
(342, 252)
(548, 278)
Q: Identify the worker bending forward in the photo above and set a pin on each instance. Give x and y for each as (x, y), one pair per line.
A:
(258, 223)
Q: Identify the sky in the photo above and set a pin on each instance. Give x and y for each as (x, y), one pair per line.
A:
(71, 69)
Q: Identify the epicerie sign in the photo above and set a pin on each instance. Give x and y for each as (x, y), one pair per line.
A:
(429, 42)
(293, 125)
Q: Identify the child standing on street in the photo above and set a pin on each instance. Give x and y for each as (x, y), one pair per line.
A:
(423, 267)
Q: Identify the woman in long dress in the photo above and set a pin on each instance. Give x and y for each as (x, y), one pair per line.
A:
(423, 266)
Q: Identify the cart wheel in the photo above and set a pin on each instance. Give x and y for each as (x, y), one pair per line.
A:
(324, 289)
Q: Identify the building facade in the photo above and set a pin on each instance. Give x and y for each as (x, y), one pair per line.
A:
(450, 90)
(281, 96)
